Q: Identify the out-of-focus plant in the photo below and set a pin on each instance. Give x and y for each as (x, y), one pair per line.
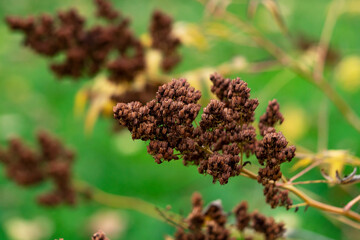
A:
(226, 134)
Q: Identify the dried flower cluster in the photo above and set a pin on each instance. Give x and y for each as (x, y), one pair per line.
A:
(223, 136)
(162, 39)
(53, 162)
(257, 222)
(272, 151)
(208, 223)
(112, 46)
(211, 222)
(99, 235)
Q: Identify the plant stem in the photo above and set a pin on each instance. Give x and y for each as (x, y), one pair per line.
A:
(310, 181)
(299, 205)
(304, 171)
(124, 202)
(296, 67)
(323, 47)
(323, 125)
(351, 203)
(309, 201)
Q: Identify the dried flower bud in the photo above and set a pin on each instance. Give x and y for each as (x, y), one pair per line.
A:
(270, 117)
(267, 226)
(206, 223)
(242, 216)
(105, 9)
(99, 235)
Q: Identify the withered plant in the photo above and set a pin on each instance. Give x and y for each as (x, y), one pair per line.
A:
(222, 139)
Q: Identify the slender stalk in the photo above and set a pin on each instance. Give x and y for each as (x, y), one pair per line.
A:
(124, 202)
(299, 205)
(310, 182)
(323, 125)
(304, 171)
(132, 203)
(323, 47)
(309, 201)
(347, 221)
(249, 173)
(322, 206)
(352, 203)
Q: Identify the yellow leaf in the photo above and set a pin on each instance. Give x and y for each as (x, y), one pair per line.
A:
(332, 160)
(153, 62)
(302, 163)
(81, 99)
(107, 109)
(335, 159)
(191, 35)
(218, 29)
(101, 93)
(93, 113)
(146, 40)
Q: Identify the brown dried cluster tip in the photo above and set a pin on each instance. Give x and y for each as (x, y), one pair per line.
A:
(211, 222)
(204, 223)
(257, 222)
(53, 162)
(111, 46)
(272, 151)
(163, 40)
(99, 235)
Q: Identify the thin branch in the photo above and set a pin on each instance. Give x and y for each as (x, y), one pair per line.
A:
(310, 182)
(309, 201)
(352, 203)
(118, 201)
(304, 171)
(323, 125)
(299, 205)
(274, 9)
(347, 221)
(323, 47)
(319, 205)
(249, 173)
(169, 219)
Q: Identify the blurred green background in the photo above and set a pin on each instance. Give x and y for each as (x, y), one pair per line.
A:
(31, 99)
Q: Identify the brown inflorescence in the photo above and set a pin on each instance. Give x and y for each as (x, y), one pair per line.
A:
(272, 151)
(223, 137)
(105, 10)
(204, 223)
(257, 222)
(211, 222)
(163, 40)
(271, 117)
(53, 162)
(242, 216)
(111, 46)
(99, 235)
